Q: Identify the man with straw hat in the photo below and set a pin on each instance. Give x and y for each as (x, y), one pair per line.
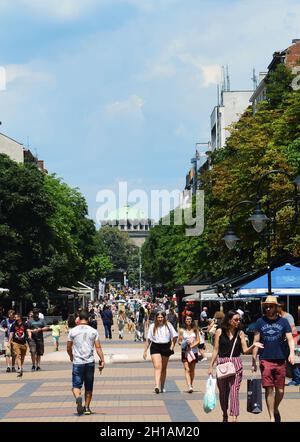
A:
(273, 330)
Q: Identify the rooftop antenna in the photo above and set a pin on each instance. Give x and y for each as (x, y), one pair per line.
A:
(223, 79)
(254, 80)
(27, 142)
(218, 93)
(227, 79)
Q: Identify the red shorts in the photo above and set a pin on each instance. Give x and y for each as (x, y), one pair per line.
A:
(273, 373)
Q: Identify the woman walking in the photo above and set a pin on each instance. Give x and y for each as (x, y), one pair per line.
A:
(189, 339)
(121, 319)
(229, 337)
(162, 337)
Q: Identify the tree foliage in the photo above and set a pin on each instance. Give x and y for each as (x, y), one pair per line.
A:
(46, 238)
(258, 143)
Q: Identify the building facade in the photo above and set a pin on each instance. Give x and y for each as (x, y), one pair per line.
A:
(290, 57)
(11, 148)
(233, 105)
(132, 221)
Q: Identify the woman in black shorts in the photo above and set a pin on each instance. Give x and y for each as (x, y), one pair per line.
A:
(162, 338)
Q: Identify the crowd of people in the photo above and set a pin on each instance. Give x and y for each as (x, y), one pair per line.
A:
(272, 335)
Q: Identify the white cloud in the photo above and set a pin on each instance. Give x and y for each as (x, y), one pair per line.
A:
(211, 74)
(62, 10)
(25, 71)
(127, 108)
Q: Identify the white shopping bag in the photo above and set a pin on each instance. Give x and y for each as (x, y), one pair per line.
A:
(210, 399)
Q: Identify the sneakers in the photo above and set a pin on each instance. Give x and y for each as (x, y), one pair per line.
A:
(38, 368)
(80, 408)
(33, 368)
(191, 389)
(8, 370)
(87, 411)
(293, 383)
(156, 390)
(163, 390)
(20, 374)
(13, 369)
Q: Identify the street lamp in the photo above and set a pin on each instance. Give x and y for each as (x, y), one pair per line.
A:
(260, 220)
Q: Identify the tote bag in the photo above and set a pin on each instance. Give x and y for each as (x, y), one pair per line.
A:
(254, 396)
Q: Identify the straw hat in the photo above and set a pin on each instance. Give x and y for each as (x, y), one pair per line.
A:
(271, 300)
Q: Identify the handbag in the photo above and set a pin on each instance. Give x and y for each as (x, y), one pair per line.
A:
(190, 356)
(226, 369)
(254, 396)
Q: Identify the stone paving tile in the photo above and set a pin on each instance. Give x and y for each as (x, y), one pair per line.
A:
(9, 389)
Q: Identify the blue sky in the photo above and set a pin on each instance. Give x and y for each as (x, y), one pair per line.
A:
(121, 90)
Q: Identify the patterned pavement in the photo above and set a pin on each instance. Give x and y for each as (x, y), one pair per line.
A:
(123, 393)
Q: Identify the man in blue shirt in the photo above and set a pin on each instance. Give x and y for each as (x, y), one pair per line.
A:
(273, 332)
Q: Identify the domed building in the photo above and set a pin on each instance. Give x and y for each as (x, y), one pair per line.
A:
(131, 220)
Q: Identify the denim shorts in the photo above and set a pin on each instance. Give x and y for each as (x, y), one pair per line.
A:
(83, 374)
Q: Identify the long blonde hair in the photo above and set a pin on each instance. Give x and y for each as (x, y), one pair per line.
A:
(162, 313)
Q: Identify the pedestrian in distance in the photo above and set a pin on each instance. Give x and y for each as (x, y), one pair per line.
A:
(230, 336)
(121, 320)
(161, 339)
(172, 317)
(82, 340)
(189, 339)
(276, 334)
(107, 319)
(6, 325)
(56, 330)
(18, 341)
(36, 328)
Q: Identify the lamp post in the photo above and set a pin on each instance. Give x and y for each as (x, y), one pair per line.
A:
(263, 221)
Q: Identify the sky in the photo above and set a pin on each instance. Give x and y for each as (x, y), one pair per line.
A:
(109, 91)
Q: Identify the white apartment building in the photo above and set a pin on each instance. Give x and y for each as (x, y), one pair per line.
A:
(11, 148)
(233, 105)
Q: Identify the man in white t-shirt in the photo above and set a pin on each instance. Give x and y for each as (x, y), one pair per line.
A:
(80, 347)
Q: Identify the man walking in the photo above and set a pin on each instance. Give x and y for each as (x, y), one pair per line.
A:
(107, 319)
(80, 347)
(17, 342)
(271, 331)
(36, 327)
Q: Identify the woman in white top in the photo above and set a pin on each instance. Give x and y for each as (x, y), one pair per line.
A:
(189, 339)
(162, 337)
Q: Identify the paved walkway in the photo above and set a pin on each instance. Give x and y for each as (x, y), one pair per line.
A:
(123, 393)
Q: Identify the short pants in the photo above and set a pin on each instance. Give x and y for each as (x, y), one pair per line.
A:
(273, 373)
(83, 374)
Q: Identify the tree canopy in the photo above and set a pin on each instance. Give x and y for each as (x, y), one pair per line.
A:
(258, 143)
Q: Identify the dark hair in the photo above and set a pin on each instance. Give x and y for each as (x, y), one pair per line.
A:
(35, 311)
(84, 315)
(55, 321)
(71, 321)
(227, 318)
(193, 325)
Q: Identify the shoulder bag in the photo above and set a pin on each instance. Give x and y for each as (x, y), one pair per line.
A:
(227, 369)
